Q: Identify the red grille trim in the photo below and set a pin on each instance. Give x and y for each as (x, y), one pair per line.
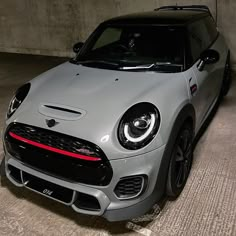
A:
(52, 149)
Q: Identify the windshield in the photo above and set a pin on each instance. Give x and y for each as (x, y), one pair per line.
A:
(135, 48)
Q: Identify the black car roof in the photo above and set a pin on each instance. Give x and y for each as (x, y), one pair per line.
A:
(164, 17)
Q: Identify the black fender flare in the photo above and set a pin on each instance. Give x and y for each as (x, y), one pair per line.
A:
(186, 114)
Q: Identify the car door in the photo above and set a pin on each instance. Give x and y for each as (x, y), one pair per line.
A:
(204, 82)
(206, 92)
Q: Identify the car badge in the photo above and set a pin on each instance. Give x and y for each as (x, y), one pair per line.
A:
(85, 151)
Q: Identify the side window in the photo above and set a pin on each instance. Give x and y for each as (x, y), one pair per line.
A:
(195, 41)
(110, 35)
(201, 34)
(199, 38)
(211, 28)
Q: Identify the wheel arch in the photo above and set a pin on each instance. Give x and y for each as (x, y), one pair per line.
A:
(186, 114)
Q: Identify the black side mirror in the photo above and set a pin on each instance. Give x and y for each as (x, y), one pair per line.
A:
(209, 56)
(77, 47)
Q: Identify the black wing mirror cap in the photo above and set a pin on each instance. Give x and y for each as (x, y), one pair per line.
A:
(77, 47)
(210, 56)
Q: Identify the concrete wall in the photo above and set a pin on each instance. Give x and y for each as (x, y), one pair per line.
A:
(51, 27)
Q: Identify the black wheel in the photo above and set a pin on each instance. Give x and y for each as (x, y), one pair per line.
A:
(181, 161)
(227, 78)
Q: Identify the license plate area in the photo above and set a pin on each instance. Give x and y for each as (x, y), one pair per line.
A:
(48, 189)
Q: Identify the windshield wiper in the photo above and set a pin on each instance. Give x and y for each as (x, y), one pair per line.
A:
(97, 61)
(139, 67)
(150, 66)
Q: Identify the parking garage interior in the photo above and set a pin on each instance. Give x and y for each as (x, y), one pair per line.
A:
(39, 35)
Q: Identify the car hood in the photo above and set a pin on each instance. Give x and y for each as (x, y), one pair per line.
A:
(88, 88)
(100, 96)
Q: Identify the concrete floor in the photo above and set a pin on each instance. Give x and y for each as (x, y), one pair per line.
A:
(207, 205)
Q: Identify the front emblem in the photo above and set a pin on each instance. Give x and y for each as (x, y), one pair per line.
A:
(51, 123)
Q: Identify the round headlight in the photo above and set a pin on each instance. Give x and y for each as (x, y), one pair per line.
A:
(138, 126)
(17, 99)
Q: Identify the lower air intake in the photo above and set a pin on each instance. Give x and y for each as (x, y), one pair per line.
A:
(130, 187)
(87, 202)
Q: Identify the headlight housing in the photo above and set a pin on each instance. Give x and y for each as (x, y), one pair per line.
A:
(17, 99)
(138, 126)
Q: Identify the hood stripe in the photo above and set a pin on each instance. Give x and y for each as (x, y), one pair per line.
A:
(52, 149)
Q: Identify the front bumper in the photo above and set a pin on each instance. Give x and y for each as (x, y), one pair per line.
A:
(111, 207)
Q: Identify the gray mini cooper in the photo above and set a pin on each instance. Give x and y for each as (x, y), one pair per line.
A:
(111, 132)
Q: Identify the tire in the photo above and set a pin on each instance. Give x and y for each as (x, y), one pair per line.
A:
(227, 78)
(180, 162)
(2, 168)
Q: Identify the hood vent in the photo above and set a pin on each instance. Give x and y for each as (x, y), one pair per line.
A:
(61, 111)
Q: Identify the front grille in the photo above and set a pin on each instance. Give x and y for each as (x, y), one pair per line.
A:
(56, 140)
(58, 164)
(129, 187)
